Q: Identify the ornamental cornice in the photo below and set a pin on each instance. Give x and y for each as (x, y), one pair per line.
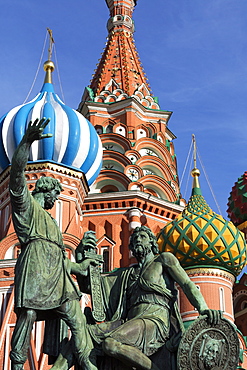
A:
(120, 20)
(53, 167)
(134, 105)
(137, 194)
(210, 271)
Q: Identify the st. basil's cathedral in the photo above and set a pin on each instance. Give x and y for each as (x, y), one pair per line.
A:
(116, 161)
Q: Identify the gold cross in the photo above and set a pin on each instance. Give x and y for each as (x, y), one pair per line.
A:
(50, 44)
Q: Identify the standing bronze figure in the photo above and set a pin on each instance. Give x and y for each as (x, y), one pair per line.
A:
(43, 286)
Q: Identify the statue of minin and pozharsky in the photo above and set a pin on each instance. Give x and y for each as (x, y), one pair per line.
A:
(141, 326)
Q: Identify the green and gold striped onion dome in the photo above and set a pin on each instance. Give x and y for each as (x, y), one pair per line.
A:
(200, 237)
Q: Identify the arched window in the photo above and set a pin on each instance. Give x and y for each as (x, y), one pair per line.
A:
(121, 130)
(222, 299)
(109, 189)
(141, 133)
(91, 226)
(106, 257)
(99, 129)
(199, 288)
(59, 213)
(6, 217)
(109, 129)
(160, 139)
(243, 305)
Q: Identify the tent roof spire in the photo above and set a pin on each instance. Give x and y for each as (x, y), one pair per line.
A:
(119, 70)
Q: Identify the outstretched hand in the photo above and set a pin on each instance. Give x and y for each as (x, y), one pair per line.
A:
(35, 130)
(213, 316)
(82, 267)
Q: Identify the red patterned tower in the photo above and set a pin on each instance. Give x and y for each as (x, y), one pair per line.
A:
(138, 183)
(120, 64)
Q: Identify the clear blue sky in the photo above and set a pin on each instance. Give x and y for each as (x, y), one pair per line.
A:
(194, 53)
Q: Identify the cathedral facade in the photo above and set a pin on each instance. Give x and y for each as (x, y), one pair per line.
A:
(116, 161)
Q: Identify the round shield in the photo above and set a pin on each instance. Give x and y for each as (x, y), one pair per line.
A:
(209, 347)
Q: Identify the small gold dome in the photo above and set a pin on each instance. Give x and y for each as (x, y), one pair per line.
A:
(49, 65)
(195, 172)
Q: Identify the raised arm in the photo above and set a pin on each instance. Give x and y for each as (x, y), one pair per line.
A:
(20, 157)
(192, 293)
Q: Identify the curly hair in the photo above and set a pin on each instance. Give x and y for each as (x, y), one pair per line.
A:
(151, 235)
(45, 184)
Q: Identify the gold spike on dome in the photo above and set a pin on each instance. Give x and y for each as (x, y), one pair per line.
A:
(195, 173)
(49, 66)
(200, 237)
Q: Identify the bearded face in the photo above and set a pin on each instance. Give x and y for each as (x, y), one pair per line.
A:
(50, 198)
(141, 245)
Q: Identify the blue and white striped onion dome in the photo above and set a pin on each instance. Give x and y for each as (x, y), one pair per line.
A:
(75, 142)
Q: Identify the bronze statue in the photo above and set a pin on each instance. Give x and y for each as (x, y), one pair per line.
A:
(141, 312)
(43, 286)
(152, 318)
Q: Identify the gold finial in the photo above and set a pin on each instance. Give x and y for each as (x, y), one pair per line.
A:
(49, 65)
(195, 173)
